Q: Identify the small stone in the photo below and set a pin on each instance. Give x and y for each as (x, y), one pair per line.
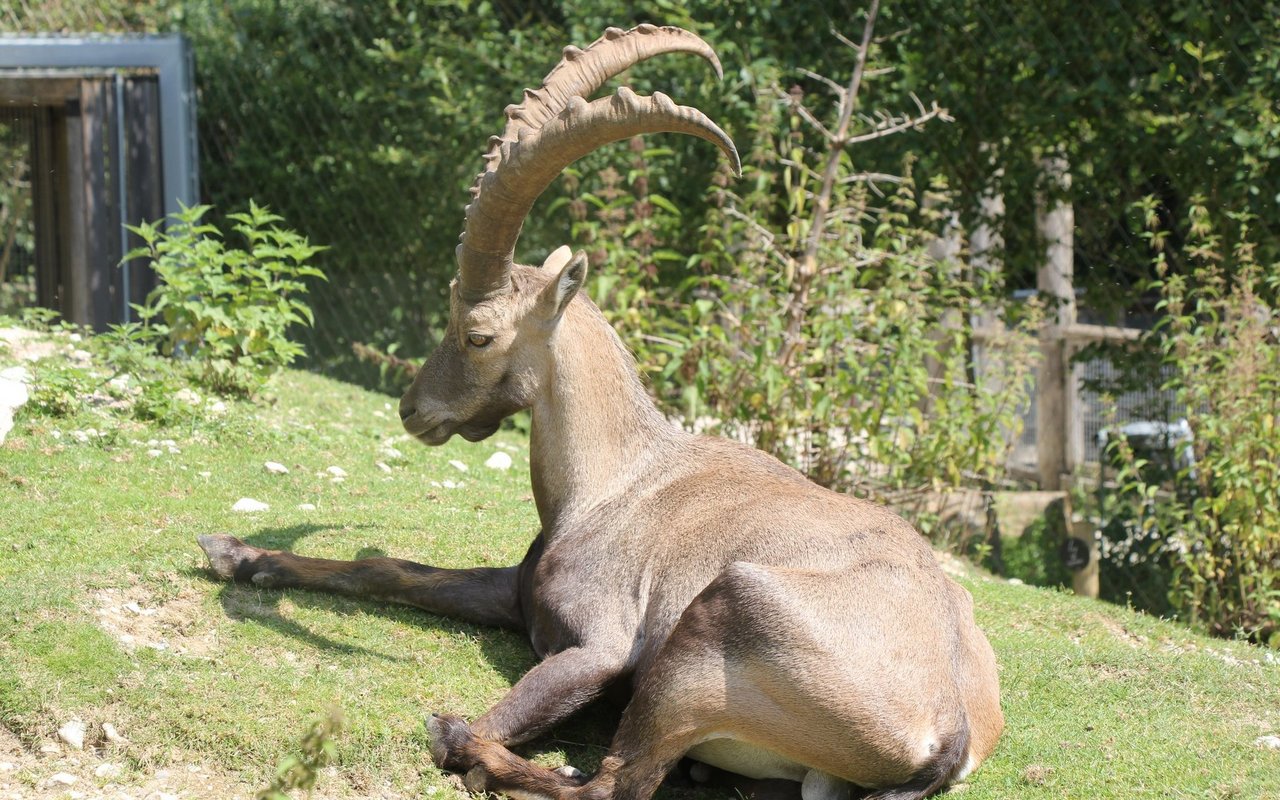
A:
(133, 608)
(152, 453)
(108, 770)
(382, 466)
(306, 506)
(249, 505)
(205, 474)
(391, 453)
(276, 468)
(56, 434)
(499, 460)
(217, 407)
(5, 766)
(175, 451)
(73, 734)
(113, 736)
(1270, 742)
(337, 472)
(458, 465)
(452, 485)
(63, 778)
(49, 748)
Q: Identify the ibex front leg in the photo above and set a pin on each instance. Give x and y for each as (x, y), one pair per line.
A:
(483, 595)
(547, 694)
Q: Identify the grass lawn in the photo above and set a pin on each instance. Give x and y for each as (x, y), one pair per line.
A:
(107, 615)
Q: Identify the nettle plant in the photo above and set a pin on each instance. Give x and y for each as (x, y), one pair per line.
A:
(1219, 517)
(814, 321)
(226, 310)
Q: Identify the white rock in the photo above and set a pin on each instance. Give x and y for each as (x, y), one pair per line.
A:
(451, 485)
(382, 466)
(337, 472)
(1271, 742)
(205, 474)
(63, 778)
(248, 504)
(276, 468)
(113, 736)
(458, 465)
(218, 407)
(174, 451)
(54, 434)
(499, 460)
(108, 770)
(306, 506)
(391, 454)
(132, 608)
(152, 453)
(73, 734)
(189, 397)
(168, 443)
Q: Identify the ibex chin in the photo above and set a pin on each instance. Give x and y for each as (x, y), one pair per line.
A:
(762, 624)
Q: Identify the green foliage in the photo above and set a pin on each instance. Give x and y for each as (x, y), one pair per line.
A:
(1218, 518)
(228, 310)
(301, 771)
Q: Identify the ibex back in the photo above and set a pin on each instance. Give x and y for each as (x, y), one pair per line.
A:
(764, 625)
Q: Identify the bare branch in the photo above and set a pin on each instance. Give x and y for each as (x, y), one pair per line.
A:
(907, 123)
(812, 120)
(832, 85)
(765, 234)
(850, 43)
(872, 177)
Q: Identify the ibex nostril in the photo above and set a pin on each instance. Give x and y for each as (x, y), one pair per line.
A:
(405, 413)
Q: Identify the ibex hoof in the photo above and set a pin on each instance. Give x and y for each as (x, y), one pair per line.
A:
(448, 737)
(476, 780)
(225, 553)
(572, 773)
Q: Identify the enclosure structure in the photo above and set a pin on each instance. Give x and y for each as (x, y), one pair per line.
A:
(101, 135)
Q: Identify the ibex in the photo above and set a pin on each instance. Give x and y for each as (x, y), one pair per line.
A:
(763, 624)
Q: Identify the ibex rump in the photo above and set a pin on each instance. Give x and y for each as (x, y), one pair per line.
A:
(765, 625)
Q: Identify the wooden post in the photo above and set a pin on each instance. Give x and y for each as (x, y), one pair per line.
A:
(1056, 395)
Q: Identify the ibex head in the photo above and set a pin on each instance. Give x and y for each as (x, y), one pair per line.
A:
(495, 357)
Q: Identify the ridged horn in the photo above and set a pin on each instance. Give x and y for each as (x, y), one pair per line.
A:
(556, 126)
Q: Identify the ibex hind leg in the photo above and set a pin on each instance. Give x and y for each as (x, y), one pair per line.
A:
(484, 595)
(743, 684)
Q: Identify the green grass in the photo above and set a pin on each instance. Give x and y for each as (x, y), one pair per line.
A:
(1100, 702)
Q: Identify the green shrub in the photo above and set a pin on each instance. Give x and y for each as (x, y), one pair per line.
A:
(1218, 518)
(225, 309)
(814, 321)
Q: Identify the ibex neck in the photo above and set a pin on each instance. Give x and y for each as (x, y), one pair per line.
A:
(595, 430)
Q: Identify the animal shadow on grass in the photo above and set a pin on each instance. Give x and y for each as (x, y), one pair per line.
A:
(505, 651)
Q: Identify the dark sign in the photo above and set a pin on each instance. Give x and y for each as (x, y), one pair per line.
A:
(1075, 553)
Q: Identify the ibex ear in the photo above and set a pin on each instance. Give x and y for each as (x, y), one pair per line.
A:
(556, 295)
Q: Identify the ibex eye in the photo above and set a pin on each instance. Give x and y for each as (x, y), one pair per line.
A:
(479, 339)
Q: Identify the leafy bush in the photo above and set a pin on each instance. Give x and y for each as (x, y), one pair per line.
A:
(1219, 517)
(227, 310)
(815, 322)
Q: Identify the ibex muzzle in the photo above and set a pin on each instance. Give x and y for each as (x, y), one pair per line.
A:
(764, 625)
